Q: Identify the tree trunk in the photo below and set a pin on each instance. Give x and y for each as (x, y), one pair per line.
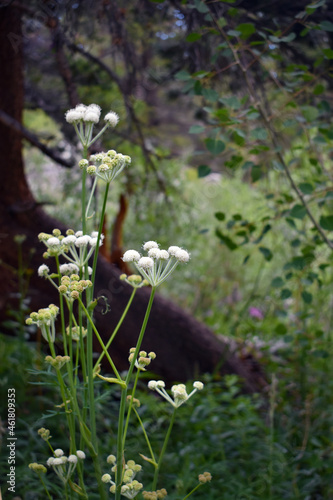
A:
(184, 347)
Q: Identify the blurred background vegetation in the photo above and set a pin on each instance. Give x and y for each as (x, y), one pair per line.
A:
(226, 110)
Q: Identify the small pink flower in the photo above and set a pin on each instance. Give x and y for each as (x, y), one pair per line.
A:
(254, 312)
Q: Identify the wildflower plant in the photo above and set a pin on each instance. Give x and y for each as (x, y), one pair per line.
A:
(75, 255)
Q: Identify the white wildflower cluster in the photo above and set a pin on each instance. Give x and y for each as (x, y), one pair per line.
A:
(83, 118)
(179, 392)
(157, 266)
(143, 360)
(64, 466)
(131, 486)
(45, 320)
(75, 247)
(105, 166)
(72, 286)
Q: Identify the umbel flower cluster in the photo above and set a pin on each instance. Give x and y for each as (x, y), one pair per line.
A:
(83, 118)
(64, 466)
(105, 166)
(76, 248)
(157, 266)
(179, 391)
(131, 486)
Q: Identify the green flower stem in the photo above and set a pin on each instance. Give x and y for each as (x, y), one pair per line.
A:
(157, 470)
(130, 406)
(90, 199)
(90, 327)
(83, 193)
(192, 491)
(100, 341)
(45, 487)
(146, 436)
(116, 329)
(120, 440)
(98, 135)
(99, 236)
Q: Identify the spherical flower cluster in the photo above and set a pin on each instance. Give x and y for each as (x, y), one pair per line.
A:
(45, 320)
(179, 391)
(64, 466)
(58, 362)
(106, 166)
(44, 433)
(112, 118)
(37, 467)
(135, 280)
(76, 333)
(72, 286)
(82, 113)
(206, 477)
(154, 495)
(158, 264)
(143, 361)
(131, 486)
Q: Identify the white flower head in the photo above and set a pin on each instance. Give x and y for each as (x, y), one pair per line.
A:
(72, 459)
(58, 461)
(173, 249)
(50, 461)
(131, 256)
(53, 242)
(112, 119)
(154, 253)
(198, 385)
(80, 454)
(91, 116)
(73, 116)
(146, 263)
(182, 256)
(58, 452)
(149, 245)
(69, 240)
(82, 241)
(43, 271)
(69, 269)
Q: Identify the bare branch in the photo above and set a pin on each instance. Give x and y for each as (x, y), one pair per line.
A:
(33, 139)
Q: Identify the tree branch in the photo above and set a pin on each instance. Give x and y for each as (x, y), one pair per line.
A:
(33, 139)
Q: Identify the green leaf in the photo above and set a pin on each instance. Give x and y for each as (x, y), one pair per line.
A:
(298, 212)
(259, 133)
(266, 253)
(193, 37)
(328, 53)
(231, 102)
(220, 215)
(326, 222)
(210, 94)
(183, 75)
(196, 129)
(281, 329)
(306, 187)
(215, 146)
(285, 293)
(307, 297)
(277, 282)
(326, 26)
(265, 230)
(310, 113)
(246, 29)
(256, 173)
(203, 171)
(226, 240)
